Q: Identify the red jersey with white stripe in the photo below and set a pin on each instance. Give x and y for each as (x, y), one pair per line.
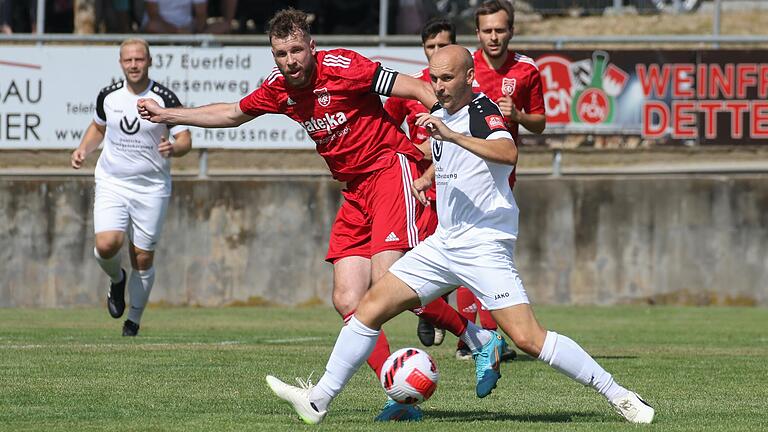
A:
(406, 109)
(518, 78)
(341, 111)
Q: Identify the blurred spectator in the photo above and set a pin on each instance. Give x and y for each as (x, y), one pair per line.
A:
(114, 15)
(18, 16)
(413, 14)
(59, 16)
(5, 20)
(175, 16)
(222, 15)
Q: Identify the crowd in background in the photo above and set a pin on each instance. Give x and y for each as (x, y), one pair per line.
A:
(231, 16)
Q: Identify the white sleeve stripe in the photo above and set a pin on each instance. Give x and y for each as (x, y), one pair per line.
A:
(335, 64)
(410, 201)
(273, 76)
(343, 66)
(388, 80)
(384, 81)
(340, 58)
(379, 79)
(528, 60)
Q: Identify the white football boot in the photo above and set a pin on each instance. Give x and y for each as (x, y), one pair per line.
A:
(633, 408)
(298, 397)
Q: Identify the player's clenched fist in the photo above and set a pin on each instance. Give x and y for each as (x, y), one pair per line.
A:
(436, 128)
(77, 159)
(165, 147)
(149, 109)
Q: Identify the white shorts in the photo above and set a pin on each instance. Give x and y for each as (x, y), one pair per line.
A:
(487, 269)
(119, 209)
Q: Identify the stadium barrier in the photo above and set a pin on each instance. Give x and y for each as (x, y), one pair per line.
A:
(699, 239)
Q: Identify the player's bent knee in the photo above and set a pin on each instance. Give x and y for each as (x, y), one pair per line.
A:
(143, 260)
(107, 246)
(345, 301)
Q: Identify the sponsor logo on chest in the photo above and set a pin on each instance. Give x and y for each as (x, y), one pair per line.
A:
(129, 127)
(327, 123)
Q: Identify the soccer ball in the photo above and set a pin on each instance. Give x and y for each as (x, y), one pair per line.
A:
(409, 376)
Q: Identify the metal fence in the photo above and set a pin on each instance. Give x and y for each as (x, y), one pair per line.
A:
(461, 10)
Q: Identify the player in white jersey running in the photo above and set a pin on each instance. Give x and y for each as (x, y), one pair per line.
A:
(473, 155)
(133, 179)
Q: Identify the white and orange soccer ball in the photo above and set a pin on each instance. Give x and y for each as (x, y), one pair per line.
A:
(409, 376)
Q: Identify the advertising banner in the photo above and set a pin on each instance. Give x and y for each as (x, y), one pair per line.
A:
(703, 97)
(48, 93)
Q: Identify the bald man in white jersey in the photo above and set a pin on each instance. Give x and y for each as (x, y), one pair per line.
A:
(473, 155)
(133, 179)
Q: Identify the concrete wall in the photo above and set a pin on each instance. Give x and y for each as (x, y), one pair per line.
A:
(585, 240)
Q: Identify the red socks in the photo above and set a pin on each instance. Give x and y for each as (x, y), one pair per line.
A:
(440, 314)
(469, 306)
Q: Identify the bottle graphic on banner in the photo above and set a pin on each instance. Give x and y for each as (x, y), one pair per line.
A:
(592, 104)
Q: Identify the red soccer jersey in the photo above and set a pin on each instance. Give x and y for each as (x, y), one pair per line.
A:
(518, 77)
(340, 110)
(406, 109)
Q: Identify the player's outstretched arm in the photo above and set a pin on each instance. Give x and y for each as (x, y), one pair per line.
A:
(93, 136)
(409, 87)
(499, 150)
(213, 116)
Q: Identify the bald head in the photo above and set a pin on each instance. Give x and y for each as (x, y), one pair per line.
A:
(455, 56)
(452, 71)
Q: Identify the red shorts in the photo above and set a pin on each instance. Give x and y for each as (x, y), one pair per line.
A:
(378, 213)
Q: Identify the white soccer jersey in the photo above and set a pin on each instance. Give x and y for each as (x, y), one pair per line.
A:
(474, 200)
(129, 157)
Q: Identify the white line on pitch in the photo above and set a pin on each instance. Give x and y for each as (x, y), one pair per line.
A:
(290, 340)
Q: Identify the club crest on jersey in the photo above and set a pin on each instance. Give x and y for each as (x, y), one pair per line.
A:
(508, 86)
(129, 127)
(494, 121)
(323, 97)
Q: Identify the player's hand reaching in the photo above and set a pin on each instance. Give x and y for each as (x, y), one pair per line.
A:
(436, 128)
(77, 158)
(419, 189)
(508, 109)
(150, 110)
(165, 148)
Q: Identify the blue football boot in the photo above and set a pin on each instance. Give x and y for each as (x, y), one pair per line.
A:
(487, 361)
(394, 411)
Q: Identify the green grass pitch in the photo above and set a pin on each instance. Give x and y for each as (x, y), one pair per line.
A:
(703, 369)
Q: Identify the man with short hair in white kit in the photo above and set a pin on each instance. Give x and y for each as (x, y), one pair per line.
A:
(133, 179)
(473, 155)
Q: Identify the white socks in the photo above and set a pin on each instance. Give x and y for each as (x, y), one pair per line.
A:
(568, 357)
(139, 286)
(475, 337)
(111, 266)
(353, 346)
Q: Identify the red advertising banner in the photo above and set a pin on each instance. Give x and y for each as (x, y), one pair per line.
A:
(700, 96)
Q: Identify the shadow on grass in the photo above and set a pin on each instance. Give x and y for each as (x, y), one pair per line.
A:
(468, 416)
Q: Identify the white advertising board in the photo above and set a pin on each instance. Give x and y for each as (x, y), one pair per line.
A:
(48, 93)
